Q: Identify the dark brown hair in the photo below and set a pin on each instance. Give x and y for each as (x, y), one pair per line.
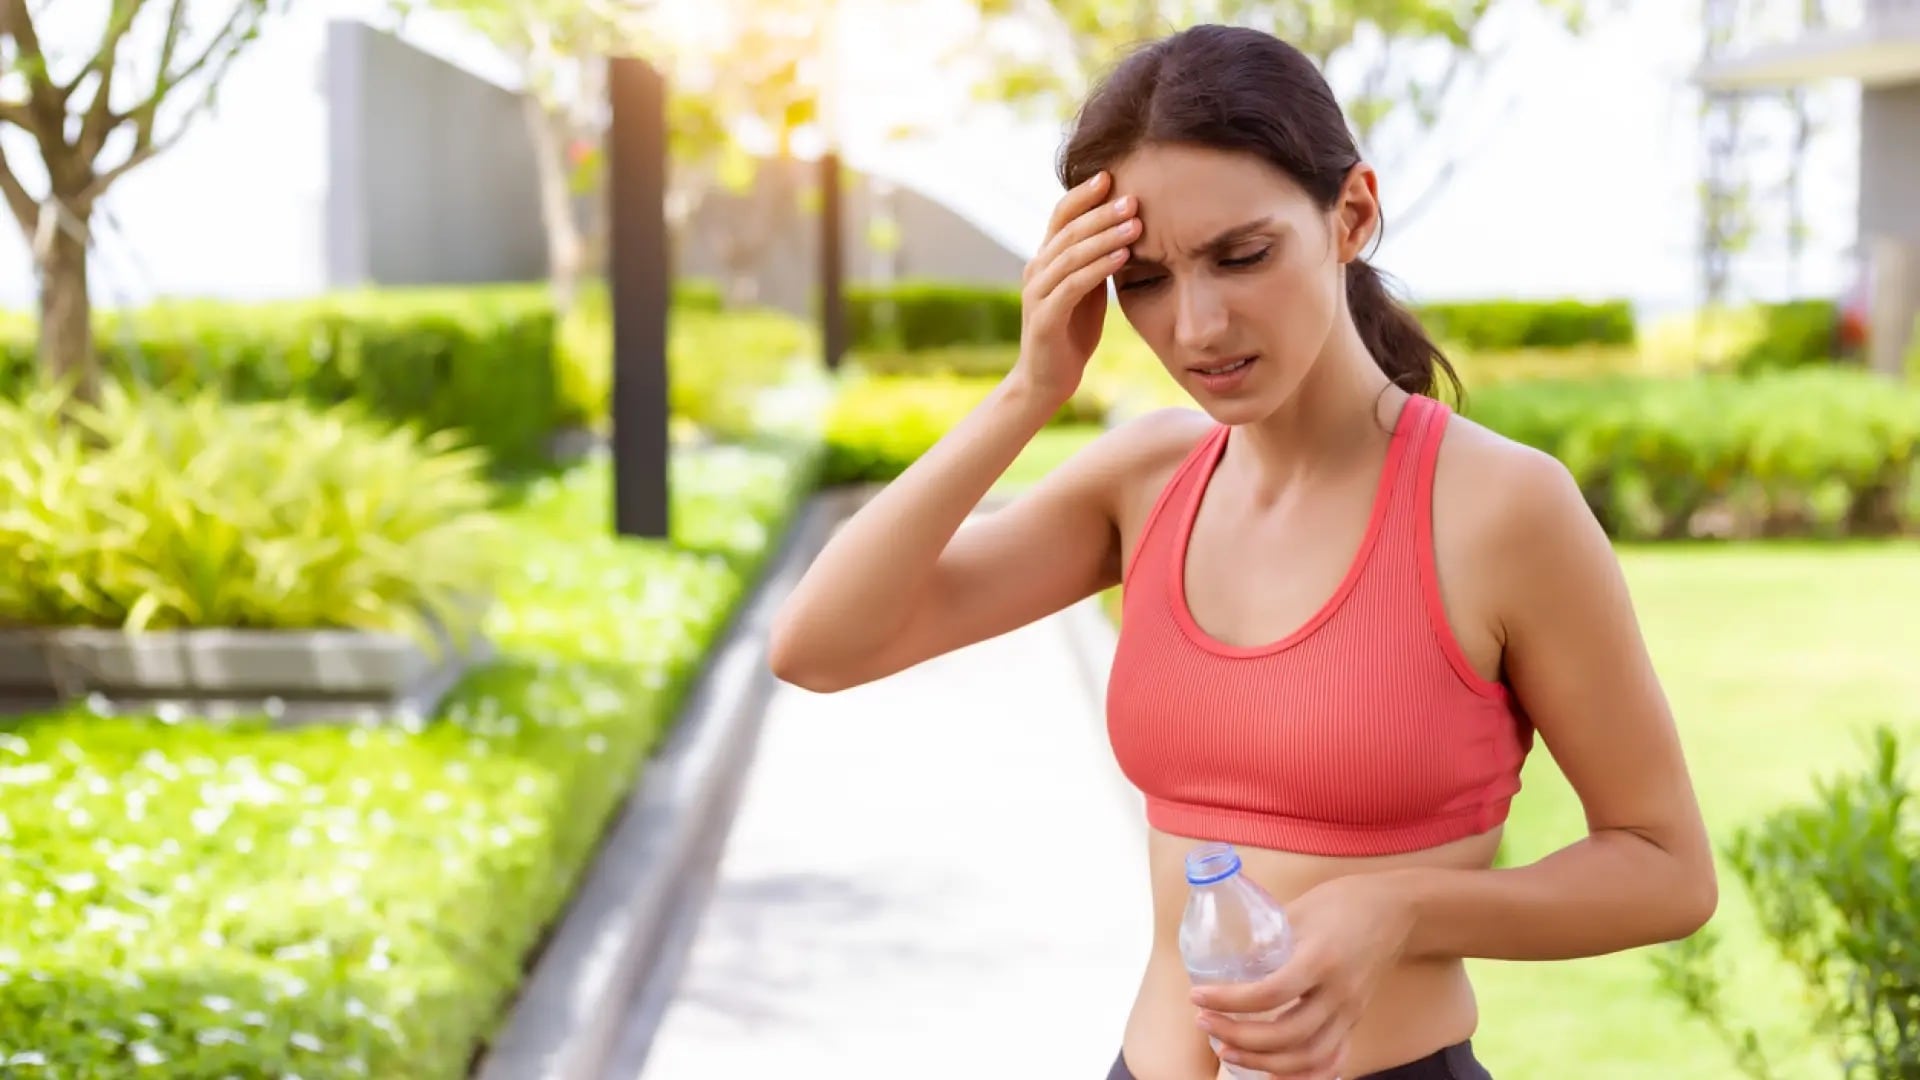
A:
(1239, 89)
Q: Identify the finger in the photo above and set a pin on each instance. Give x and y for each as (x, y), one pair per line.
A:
(1097, 250)
(1318, 1059)
(1087, 226)
(1078, 201)
(1294, 980)
(1293, 1028)
(1078, 284)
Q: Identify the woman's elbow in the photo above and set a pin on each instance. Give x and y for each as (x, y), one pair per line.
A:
(1693, 900)
(792, 663)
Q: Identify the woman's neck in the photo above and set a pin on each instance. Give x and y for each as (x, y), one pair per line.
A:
(1344, 409)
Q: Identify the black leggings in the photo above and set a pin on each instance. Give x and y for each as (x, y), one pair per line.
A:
(1454, 1062)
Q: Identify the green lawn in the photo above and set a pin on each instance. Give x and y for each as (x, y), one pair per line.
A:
(1776, 659)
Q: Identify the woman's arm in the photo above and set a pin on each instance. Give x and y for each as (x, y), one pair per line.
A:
(1576, 660)
(902, 582)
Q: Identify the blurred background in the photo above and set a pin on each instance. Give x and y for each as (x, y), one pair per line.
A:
(339, 611)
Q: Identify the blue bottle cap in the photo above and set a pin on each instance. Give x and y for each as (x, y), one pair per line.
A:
(1209, 863)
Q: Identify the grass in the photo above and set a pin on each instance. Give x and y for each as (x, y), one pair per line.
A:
(1776, 659)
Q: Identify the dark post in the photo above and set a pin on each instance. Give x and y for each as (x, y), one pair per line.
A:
(833, 308)
(640, 286)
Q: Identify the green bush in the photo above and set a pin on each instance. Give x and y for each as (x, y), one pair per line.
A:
(877, 427)
(1795, 334)
(914, 315)
(150, 512)
(718, 361)
(1529, 324)
(970, 361)
(1836, 885)
(202, 902)
(477, 361)
(1816, 452)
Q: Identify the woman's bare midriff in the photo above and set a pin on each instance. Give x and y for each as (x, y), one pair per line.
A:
(1418, 1007)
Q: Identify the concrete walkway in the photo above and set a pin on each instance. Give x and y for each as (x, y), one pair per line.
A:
(940, 875)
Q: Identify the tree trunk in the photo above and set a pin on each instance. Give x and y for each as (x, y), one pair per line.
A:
(66, 316)
(565, 248)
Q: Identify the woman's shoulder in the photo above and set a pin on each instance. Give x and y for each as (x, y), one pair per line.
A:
(1140, 453)
(1125, 467)
(1503, 484)
(1507, 512)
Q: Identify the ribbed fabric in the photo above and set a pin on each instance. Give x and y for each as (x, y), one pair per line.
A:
(1364, 732)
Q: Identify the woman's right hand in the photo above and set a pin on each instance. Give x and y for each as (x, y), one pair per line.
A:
(1063, 300)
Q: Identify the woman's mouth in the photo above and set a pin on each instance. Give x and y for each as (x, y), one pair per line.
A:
(1218, 378)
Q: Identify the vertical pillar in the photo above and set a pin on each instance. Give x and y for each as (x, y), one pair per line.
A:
(639, 275)
(833, 309)
(1893, 304)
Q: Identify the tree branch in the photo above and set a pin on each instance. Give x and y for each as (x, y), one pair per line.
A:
(145, 114)
(99, 121)
(25, 210)
(226, 46)
(45, 106)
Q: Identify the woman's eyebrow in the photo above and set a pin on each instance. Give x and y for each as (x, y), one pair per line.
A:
(1220, 241)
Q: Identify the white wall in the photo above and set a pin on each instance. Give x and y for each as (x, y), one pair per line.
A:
(237, 208)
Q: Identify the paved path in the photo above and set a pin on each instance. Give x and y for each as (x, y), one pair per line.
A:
(939, 875)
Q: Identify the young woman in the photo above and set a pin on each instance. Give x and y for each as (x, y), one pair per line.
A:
(1348, 611)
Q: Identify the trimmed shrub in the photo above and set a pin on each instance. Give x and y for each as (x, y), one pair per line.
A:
(718, 361)
(1795, 334)
(1529, 324)
(476, 361)
(918, 315)
(877, 427)
(1815, 452)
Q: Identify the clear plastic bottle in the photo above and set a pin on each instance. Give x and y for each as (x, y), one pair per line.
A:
(1232, 930)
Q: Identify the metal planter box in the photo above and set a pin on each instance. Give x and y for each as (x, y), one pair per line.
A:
(292, 676)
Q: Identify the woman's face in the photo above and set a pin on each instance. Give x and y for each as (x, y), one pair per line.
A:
(1235, 280)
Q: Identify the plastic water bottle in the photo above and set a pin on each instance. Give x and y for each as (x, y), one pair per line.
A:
(1232, 931)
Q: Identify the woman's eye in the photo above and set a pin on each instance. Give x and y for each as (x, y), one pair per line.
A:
(1137, 284)
(1245, 261)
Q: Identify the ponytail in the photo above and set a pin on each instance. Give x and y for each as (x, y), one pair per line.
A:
(1393, 335)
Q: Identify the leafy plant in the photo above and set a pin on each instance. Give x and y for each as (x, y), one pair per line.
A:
(1836, 886)
(202, 901)
(148, 513)
(878, 426)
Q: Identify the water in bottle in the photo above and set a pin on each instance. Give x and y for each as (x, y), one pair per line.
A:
(1232, 931)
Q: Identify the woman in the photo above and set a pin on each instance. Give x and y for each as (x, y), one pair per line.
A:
(1347, 611)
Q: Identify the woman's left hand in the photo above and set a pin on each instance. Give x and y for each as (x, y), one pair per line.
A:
(1347, 933)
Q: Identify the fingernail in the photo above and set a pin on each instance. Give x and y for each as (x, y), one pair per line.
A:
(1123, 204)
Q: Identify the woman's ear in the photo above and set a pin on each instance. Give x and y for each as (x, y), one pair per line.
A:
(1357, 212)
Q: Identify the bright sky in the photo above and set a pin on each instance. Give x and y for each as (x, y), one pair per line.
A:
(1577, 171)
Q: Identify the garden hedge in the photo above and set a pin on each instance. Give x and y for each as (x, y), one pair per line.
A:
(1814, 452)
(478, 361)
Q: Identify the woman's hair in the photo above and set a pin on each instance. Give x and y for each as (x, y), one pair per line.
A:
(1232, 88)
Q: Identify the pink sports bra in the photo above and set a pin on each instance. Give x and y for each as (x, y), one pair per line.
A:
(1363, 732)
